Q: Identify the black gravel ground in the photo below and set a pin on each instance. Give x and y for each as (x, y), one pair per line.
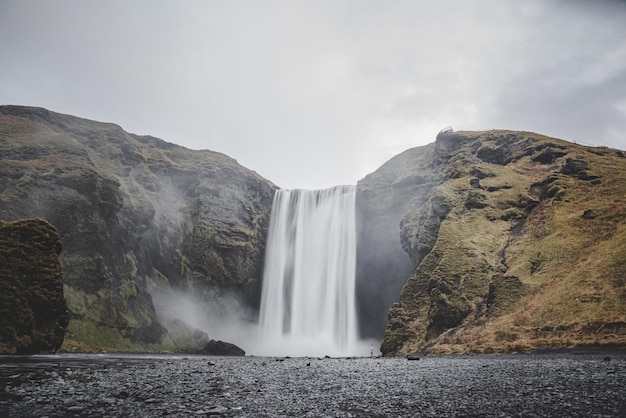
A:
(558, 384)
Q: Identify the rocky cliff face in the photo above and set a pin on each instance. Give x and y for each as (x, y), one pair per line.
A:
(33, 312)
(510, 240)
(519, 242)
(401, 186)
(137, 217)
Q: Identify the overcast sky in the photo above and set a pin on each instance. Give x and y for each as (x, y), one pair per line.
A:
(315, 93)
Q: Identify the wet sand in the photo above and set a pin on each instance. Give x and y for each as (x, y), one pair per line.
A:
(549, 384)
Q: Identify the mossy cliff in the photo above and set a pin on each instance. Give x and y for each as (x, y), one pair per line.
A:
(33, 312)
(518, 243)
(136, 215)
(493, 241)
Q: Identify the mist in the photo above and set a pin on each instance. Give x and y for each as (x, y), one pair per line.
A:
(220, 314)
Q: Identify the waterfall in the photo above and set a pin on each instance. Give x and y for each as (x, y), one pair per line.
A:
(308, 302)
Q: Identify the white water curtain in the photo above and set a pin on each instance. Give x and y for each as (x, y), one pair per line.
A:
(308, 301)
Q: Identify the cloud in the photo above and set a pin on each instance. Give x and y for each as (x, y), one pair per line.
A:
(573, 85)
(312, 94)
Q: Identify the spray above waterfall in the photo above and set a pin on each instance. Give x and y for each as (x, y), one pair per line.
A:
(308, 300)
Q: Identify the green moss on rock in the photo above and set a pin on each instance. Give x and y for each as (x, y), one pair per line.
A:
(135, 214)
(529, 253)
(33, 311)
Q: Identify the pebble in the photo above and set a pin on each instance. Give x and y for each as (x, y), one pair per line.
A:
(75, 409)
(515, 385)
(217, 410)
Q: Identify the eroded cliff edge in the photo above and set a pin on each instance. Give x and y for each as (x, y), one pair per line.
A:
(518, 242)
(138, 217)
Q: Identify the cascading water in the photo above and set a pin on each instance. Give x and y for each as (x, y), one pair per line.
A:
(308, 302)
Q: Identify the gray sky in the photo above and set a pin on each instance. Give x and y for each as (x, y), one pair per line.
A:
(315, 93)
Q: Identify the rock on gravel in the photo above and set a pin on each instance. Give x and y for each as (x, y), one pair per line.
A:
(572, 384)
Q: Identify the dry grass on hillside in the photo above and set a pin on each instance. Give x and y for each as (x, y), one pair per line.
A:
(570, 255)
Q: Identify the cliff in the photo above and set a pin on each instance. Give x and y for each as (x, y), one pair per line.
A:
(481, 242)
(33, 312)
(518, 242)
(402, 185)
(139, 218)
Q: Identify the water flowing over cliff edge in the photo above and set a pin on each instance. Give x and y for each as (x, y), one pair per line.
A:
(492, 241)
(308, 301)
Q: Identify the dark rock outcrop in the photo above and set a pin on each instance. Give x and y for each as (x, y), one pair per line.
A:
(221, 348)
(135, 214)
(33, 312)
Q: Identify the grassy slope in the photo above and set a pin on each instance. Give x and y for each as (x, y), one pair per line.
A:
(535, 271)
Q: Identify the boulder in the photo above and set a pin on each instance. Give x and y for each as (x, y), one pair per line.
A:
(221, 348)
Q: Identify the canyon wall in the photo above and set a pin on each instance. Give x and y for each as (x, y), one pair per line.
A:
(138, 217)
(518, 242)
(494, 241)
